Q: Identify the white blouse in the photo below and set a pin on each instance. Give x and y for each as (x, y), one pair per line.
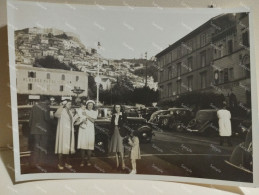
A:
(117, 118)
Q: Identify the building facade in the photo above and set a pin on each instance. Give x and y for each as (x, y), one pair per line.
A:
(213, 57)
(51, 82)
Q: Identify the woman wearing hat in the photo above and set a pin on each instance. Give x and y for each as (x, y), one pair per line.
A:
(65, 139)
(86, 132)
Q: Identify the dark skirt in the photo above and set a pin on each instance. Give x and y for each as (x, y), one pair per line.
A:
(116, 144)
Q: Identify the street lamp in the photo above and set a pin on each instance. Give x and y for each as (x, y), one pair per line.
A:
(97, 78)
(146, 68)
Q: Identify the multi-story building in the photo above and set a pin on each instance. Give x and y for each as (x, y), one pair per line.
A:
(231, 58)
(207, 59)
(34, 81)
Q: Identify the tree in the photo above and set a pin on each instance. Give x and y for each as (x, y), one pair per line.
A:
(145, 96)
(52, 63)
(91, 87)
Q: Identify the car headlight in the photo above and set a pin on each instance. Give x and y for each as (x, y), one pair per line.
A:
(243, 129)
(100, 143)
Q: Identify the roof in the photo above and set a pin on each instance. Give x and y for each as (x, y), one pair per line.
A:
(178, 109)
(207, 110)
(30, 67)
(186, 37)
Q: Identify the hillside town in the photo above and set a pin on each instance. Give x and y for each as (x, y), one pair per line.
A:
(37, 43)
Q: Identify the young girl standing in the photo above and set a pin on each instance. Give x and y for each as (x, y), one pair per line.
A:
(135, 151)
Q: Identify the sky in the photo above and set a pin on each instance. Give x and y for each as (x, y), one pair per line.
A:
(124, 32)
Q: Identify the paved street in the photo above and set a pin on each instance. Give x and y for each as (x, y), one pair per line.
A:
(169, 153)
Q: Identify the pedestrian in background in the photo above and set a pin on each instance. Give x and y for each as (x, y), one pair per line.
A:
(225, 130)
(39, 124)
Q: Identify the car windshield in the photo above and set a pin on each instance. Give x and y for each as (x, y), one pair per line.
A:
(104, 113)
(131, 113)
(206, 115)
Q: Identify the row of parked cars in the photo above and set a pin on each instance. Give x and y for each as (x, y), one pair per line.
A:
(206, 122)
(203, 121)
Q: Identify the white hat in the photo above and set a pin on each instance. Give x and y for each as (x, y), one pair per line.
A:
(90, 101)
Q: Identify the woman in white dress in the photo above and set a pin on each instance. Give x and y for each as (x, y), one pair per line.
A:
(65, 139)
(225, 130)
(86, 132)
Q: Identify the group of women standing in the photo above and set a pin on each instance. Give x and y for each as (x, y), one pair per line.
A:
(85, 117)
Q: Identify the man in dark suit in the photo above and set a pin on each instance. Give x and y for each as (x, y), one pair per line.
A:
(39, 124)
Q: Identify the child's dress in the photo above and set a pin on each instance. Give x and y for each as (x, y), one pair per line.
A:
(135, 150)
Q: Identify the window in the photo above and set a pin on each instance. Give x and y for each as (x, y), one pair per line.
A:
(189, 61)
(169, 89)
(220, 50)
(31, 74)
(161, 76)
(231, 74)
(247, 70)
(203, 58)
(161, 91)
(30, 86)
(179, 52)
(77, 78)
(48, 76)
(63, 77)
(179, 69)
(61, 88)
(230, 46)
(190, 82)
(221, 77)
(203, 80)
(203, 39)
(245, 39)
(190, 45)
(169, 72)
(178, 84)
(225, 75)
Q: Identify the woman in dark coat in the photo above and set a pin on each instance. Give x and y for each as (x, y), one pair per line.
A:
(118, 132)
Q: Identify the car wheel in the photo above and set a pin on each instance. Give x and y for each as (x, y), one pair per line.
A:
(165, 122)
(192, 123)
(179, 127)
(101, 145)
(145, 135)
(171, 126)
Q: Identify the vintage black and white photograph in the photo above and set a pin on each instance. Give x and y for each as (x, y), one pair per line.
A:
(132, 92)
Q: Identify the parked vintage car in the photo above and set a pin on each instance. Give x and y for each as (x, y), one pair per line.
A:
(102, 126)
(242, 156)
(148, 111)
(176, 119)
(206, 121)
(155, 117)
(137, 122)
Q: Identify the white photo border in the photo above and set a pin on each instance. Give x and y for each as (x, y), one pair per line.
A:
(39, 176)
